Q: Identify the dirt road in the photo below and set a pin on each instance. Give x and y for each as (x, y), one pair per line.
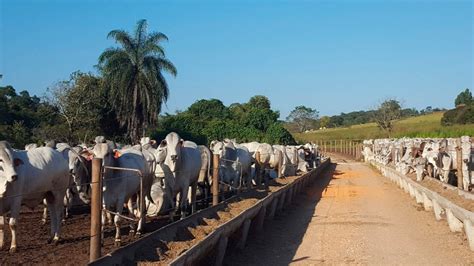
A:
(353, 215)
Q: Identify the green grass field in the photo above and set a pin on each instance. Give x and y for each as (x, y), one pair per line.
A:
(420, 126)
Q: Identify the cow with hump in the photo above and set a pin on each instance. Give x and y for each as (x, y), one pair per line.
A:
(181, 163)
(27, 177)
(121, 186)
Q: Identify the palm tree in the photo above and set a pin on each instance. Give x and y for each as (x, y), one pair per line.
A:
(134, 79)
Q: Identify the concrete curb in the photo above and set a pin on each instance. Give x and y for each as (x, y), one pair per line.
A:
(458, 218)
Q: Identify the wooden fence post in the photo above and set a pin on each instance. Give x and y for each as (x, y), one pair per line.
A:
(280, 165)
(96, 210)
(215, 180)
(258, 170)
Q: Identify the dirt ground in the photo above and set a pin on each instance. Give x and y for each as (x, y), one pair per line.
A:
(164, 253)
(353, 215)
(32, 236)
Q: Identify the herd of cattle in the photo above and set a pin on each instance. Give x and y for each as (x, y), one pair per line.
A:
(171, 173)
(436, 158)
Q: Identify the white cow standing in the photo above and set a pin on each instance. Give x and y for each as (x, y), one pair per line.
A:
(236, 162)
(27, 178)
(120, 185)
(180, 162)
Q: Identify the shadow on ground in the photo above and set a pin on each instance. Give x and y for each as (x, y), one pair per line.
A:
(278, 242)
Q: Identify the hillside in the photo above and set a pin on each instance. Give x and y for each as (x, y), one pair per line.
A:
(419, 126)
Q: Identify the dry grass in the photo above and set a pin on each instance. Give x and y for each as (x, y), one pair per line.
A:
(420, 126)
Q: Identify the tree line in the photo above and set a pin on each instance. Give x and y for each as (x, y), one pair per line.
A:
(304, 118)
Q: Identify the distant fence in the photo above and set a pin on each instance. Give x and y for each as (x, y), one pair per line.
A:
(350, 148)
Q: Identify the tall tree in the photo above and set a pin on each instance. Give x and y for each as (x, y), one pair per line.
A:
(303, 116)
(464, 97)
(386, 113)
(133, 73)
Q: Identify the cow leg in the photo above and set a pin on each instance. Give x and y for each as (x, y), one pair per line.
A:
(55, 206)
(102, 227)
(45, 215)
(170, 193)
(117, 221)
(193, 197)
(15, 213)
(68, 198)
(183, 203)
(12, 224)
(131, 210)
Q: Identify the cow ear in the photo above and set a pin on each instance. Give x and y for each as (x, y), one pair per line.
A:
(163, 143)
(17, 162)
(117, 154)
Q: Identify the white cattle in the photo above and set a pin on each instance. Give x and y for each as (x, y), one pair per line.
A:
(180, 162)
(251, 147)
(229, 165)
(467, 161)
(27, 178)
(80, 175)
(205, 177)
(121, 185)
(31, 146)
(287, 168)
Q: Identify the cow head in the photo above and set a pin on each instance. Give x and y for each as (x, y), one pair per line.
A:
(172, 143)
(217, 147)
(105, 152)
(8, 162)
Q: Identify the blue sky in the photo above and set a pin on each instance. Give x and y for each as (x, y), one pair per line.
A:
(335, 56)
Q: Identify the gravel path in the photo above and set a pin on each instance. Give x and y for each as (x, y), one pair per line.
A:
(353, 215)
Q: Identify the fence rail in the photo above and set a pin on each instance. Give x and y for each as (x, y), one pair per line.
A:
(350, 148)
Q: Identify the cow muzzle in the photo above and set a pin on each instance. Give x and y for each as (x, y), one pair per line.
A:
(174, 158)
(13, 178)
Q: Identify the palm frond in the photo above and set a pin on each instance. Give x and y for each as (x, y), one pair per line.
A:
(166, 65)
(122, 37)
(140, 31)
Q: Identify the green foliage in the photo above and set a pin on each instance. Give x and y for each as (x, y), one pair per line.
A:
(303, 117)
(324, 121)
(259, 102)
(134, 78)
(464, 97)
(82, 103)
(463, 114)
(386, 113)
(277, 134)
(22, 116)
(208, 120)
(260, 119)
(208, 109)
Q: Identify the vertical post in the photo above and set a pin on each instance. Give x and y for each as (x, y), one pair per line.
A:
(296, 160)
(258, 169)
(325, 148)
(280, 165)
(340, 146)
(2, 228)
(2, 225)
(459, 163)
(215, 180)
(142, 220)
(96, 209)
(352, 149)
